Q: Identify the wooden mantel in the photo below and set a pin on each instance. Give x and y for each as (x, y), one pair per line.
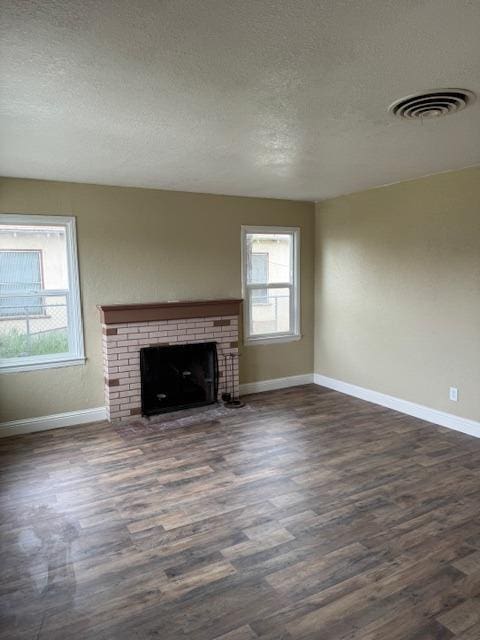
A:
(119, 313)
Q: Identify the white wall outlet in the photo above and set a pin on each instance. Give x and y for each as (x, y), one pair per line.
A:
(453, 394)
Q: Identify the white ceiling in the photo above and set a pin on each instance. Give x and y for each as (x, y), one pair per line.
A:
(282, 98)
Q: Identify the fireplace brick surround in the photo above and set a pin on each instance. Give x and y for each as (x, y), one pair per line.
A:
(128, 328)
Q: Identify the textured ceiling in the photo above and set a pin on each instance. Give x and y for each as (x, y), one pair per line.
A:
(282, 98)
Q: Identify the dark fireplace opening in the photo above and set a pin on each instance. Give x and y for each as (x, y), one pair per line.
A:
(178, 377)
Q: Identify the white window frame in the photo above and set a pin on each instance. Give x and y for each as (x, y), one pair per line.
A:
(293, 286)
(76, 353)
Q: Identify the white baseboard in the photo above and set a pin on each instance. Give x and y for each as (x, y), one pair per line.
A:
(69, 419)
(470, 427)
(275, 383)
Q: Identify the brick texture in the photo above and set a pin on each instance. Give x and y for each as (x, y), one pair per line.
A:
(121, 355)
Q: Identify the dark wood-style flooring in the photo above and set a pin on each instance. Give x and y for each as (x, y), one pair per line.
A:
(309, 515)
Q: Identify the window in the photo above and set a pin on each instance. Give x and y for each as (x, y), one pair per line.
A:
(40, 321)
(270, 283)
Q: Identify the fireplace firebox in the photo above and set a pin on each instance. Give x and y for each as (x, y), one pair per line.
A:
(178, 377)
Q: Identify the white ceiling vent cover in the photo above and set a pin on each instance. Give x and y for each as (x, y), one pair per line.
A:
(432, 104)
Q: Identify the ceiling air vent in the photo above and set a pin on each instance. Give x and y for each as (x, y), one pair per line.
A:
(432, 104)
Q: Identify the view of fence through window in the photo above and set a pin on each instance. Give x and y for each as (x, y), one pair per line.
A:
(33, 290)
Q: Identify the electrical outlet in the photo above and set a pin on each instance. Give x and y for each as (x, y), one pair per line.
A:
(453, 394)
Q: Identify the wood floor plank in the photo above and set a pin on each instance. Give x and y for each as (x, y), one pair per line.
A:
(469, 564)
(242, 633)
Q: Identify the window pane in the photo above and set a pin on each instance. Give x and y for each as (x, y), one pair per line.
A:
(272, 314)
(269, 258)
(38, 326)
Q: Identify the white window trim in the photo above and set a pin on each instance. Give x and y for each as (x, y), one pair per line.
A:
(294, 286)
(76, 353)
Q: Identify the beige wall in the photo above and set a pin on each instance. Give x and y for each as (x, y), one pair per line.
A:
(398, 290)
(141, 245)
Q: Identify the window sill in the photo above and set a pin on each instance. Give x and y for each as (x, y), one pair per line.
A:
(271, 340)
(17, 367)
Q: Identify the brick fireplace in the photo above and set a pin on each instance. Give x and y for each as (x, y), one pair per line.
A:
(128, 328)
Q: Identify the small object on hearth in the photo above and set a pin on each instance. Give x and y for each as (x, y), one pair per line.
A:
(234, 404)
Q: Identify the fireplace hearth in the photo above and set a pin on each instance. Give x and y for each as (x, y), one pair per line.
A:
(178, 377)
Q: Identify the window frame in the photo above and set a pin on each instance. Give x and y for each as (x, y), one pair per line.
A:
(76, 353)
(293, 286)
